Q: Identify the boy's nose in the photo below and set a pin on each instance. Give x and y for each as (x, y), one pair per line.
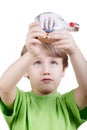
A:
(46, 70)
(46, 73)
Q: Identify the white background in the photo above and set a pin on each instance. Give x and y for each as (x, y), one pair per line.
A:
(15, 16)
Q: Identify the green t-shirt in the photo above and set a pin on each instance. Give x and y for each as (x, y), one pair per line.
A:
(48, 112)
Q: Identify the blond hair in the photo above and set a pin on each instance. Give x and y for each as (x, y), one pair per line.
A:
(51, 51)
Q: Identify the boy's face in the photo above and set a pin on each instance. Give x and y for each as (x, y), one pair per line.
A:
(45, 74)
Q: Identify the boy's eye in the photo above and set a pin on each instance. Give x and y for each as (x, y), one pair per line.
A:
(37, 63)
(54, 63)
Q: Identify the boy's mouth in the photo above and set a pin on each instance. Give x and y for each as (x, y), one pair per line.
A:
(47, 80)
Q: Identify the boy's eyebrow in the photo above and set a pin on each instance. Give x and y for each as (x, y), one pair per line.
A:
(37, 58)
(50, 57)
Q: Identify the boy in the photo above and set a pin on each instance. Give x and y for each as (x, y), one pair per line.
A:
(44, 64)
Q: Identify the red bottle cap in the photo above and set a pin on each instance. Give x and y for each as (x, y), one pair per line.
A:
(72, 24)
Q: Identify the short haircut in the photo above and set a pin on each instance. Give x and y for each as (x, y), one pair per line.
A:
(51, 51)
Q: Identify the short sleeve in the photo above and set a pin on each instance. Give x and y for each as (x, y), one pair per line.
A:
(77, 115)
(5, 110)
(8, 114)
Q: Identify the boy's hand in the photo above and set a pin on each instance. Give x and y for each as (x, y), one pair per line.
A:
(63, 40)
(32, 43)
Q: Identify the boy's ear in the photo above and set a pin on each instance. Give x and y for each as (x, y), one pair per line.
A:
(26, 74)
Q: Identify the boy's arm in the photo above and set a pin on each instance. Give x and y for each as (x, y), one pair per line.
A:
(64, 40)
(17, 70)
(80, 68)
(11, 77)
